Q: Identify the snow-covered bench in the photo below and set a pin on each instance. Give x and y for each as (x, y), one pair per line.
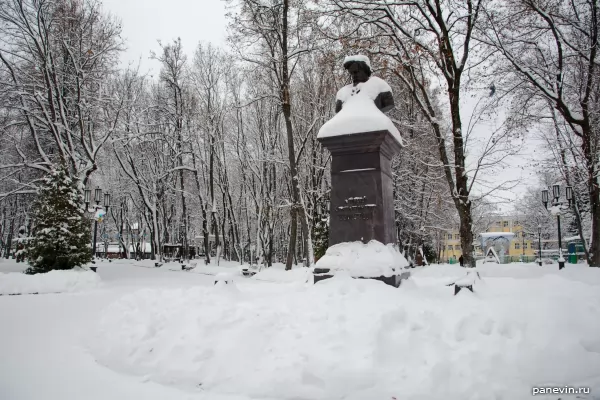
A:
(250, 270)
(185, 267)
(224, 277)
(466, 281)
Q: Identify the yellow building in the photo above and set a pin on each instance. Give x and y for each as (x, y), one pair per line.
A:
(451, 246)
(523, 244)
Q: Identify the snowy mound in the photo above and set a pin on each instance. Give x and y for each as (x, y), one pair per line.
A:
(296, 275)
(357, 339)
(359, 113)
(50, 282)
(367, 260)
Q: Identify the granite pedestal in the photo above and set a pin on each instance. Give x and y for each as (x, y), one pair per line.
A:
(361, 201)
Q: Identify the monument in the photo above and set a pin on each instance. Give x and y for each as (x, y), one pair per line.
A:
(362, 141)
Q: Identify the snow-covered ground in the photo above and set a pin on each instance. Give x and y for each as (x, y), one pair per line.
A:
(53, 282)
(163, 333)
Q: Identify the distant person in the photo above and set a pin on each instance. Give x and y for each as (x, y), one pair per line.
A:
(20, 252)
(461, 260)
(419, 259)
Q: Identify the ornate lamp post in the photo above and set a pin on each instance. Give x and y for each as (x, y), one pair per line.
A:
(97, 200)
(556, 209)
(182, 237)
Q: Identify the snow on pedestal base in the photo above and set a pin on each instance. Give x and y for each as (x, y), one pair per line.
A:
(360, 260)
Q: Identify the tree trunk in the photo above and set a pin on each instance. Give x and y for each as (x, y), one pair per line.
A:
(287, 114)
(466, 236)
(291, 250)
(594, 248)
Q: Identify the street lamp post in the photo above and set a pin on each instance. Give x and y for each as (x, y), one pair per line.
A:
(183, 234)
(97, 200)
(523, 244)
(540, 243)
(557, 208)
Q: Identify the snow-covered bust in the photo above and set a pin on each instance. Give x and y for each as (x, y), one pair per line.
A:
(360, 106)
(377, 89)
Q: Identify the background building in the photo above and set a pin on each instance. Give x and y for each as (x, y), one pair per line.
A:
(523, 246)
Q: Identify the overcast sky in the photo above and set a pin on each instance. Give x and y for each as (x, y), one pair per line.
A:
(147, 21)
(517, 171)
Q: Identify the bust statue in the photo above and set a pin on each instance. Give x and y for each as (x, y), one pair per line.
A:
(377, 89)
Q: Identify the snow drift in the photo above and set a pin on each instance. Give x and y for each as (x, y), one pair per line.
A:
(358, 339)
(296, 275)
(51, 282)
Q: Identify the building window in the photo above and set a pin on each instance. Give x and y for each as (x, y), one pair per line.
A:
(498, 223)
(505, 224)
(456, 236)
(449, 236)
(515, 223)
(517, 246)
(525, 245)
(443, 248)
(449, 247)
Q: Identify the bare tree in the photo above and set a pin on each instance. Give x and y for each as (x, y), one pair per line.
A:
(58, 58)
(268, 34)
(552, 48)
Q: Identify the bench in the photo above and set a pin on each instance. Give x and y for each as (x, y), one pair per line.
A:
(184, 267)
(465, 282)
(248, 272)
(224, 277)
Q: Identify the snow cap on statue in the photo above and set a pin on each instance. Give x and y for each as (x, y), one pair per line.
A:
(358, 57)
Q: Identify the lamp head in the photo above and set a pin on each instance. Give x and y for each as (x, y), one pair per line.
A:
(87, 194)
(545, 198)
(98, 195)
(556, 191)
(569, 194)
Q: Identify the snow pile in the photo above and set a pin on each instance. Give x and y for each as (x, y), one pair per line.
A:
(358, 339)
(367, 260)
(225, 278)
(57, 281)
(359, 113)
(297, 274)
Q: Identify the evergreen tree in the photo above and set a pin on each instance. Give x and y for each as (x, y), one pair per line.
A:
(62, 230)
(321, 237)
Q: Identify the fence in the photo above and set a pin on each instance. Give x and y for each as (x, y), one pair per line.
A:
(572, 258)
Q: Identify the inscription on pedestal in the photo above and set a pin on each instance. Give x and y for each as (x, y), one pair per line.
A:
(355, 208)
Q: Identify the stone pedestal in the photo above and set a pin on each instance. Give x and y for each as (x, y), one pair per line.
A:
(362, 201)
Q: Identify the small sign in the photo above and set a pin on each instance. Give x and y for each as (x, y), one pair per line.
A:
(99, 216)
